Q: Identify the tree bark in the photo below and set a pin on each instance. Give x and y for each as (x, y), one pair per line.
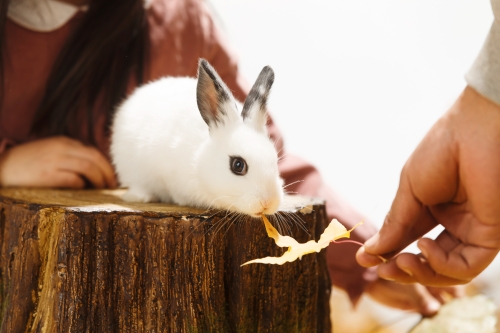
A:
(85, 261)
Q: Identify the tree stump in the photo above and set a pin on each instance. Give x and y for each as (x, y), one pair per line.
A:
(85, 261)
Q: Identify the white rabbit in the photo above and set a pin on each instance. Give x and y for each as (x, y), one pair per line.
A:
(167, 146)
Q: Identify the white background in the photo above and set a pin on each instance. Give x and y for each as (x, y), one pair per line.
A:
(358, 82)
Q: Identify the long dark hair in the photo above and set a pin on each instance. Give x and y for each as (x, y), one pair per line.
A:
(4, 5)
(94, 68)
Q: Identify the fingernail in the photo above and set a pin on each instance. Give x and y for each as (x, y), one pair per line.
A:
(372, 241)
(387, 278)
(406, 271)
(432, 307)
(383, 259)
(424, 251)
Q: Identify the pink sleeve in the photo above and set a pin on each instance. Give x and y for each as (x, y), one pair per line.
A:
(344, 271)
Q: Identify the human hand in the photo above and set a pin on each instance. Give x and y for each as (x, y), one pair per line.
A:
(452, 179)
(55, 162)
(412, 297)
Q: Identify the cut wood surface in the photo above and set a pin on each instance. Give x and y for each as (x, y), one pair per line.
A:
(85, 261)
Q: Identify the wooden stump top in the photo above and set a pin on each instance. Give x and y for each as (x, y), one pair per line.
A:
(94, 201)
(86, 261)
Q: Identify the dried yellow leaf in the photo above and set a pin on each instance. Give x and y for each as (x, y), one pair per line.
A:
(334, 231)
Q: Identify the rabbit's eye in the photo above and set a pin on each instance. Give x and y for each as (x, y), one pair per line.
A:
(238, 165)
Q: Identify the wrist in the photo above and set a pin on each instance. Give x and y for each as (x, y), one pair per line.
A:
(472, 110)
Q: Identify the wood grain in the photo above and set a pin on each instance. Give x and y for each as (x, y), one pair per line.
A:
(85, 261)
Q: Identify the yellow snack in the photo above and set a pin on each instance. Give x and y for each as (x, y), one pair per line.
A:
(334, 231)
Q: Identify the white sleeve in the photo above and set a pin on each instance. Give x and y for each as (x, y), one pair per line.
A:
(484, 75)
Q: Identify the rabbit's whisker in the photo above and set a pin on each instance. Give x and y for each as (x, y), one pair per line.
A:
(210, 216)
(210, 206)
(216, 224)
(205, 218)
(276, 223)
(287, 223)
(241, 222)
(295, 182)
(298, 221)
(282, 156)
(275, 142)
(232, 222)
(226, 220)
(220, 224)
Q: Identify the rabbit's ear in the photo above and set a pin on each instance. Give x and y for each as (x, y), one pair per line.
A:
(212, 95)
(255, 107)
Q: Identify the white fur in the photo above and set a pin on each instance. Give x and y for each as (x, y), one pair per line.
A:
(163, 150)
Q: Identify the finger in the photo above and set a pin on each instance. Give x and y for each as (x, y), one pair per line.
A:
(446, 294)
(447, 242)
(391, 272)
(404, 297)
(407, 221)
(441, 296)
(464, 226)
(367, 259)
(426, 303)
(67, 179)
(84, 168)
(456, 291)
(420, 270)
(94, 156)
(463, 262)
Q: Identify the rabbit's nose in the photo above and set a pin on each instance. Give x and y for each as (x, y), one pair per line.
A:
(264, 204)
(269, 206)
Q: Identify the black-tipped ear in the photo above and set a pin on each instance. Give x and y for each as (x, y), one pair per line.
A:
(255, 107)
(211, 94)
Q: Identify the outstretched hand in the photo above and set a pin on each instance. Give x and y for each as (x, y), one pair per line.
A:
(55, 162)
(452, 179)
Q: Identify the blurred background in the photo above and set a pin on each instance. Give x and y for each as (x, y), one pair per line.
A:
(358, 84)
